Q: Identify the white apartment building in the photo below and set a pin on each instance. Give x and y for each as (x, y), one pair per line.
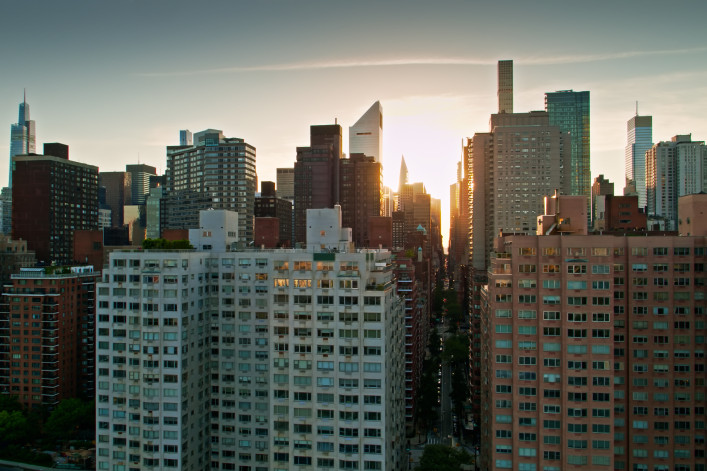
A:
(250, 360)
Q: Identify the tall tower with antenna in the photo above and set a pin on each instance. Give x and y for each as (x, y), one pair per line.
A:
(22, 134)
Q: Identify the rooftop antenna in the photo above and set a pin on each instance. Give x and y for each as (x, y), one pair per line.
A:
(636, 107)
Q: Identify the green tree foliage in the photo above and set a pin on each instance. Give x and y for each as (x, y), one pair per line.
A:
(456, 353)
(165, 244)
(13, 426)
(70, 416)
(443, 458)
(427, 406)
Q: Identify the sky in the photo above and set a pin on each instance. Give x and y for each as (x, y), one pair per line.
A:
(116, 81)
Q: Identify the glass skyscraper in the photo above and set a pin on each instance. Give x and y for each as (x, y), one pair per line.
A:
(639, 140)
(569, 110)
(22, 135)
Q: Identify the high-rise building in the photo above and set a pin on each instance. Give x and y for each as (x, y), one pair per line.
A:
(22, 135)
(6, 211)
(639, 140)
(569, 110)
(118, 188)
(285, 358)
(51, 198)
(404, 176)
(140, 181)
(219, 168)
(185, 138)
(268, 204)
(13, 256)
(505, 86)
(317, 174)
(366, 136)
(674, 168)
(600, 187)
(285, 180)
(361, 194)
(593, 353)
(522, 160)
(51, 357)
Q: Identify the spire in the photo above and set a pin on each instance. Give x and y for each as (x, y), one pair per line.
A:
(403, 180)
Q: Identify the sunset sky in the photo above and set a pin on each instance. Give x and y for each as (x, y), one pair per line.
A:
(116, 81)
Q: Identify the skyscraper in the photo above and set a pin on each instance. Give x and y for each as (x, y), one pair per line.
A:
(600, 187)
(118, 188)
(505, 86)
(639, 140)
(569, 110)
(403, 178)
(52, 197)
(22, 135)
(361, 192)
(140, 181)
(221, 169)
(366, 136)
(317, 174)
(674, 168)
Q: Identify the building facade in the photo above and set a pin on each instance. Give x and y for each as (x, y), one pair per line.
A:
(639, 139)
(222, 169)
(317, 175)
(53, 197)
(674, 169)
(593, 353)
(140, 181)
(366, 136)
(361, 194)
(23, 135)
(47, 330)
(569, 110)
(288, 359)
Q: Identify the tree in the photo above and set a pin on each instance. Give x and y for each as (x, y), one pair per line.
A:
(70, 416)
(443, 458)
(13, 426)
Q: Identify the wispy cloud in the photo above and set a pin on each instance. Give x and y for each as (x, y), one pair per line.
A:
(583, 58)
(430, 61)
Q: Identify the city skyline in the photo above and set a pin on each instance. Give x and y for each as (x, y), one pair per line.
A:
(266, 78)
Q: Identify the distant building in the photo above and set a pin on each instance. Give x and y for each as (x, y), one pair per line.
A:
(639, 140)
(600, 187)
(366, 136)
(286, 183)
(6, 211)
(219, 168)
(271, 206)
(53, 197)
(52, 358)
(118, 187)
(361, 191)
(620, 213)
(569, 110)
(140, 181)
(692, 214)
(317, 175)
(505, 86)
(22, 135)
(13, 257)
(185, 138)
(674, 168)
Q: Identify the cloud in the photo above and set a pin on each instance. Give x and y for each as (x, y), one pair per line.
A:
(584, 58)
(428, 61)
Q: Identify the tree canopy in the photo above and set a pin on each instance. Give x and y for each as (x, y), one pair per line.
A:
(443, 458)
